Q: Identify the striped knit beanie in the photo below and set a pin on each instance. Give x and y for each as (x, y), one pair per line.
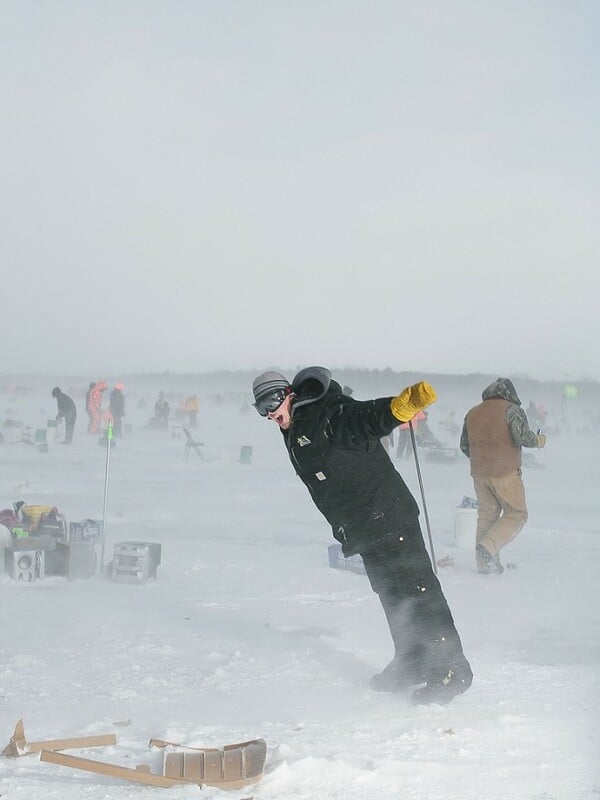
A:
(268, 382)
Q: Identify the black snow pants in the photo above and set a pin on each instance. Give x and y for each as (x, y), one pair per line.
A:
(426, 642)
(117, 424)
(69, 426)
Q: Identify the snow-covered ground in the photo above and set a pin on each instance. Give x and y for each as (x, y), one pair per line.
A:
(248, 633)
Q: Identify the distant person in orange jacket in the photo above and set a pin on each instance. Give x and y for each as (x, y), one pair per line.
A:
(87, 407)
(95, 406)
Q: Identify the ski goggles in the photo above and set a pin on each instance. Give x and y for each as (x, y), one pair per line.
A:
(271, 401)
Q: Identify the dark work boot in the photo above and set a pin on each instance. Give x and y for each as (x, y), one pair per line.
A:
(442, 690)
(487, 563)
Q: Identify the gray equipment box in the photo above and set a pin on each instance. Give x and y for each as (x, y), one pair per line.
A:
(135, 562)
(88, 530)
(73, 560)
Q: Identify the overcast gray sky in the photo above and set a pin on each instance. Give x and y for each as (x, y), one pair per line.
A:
(198, 185)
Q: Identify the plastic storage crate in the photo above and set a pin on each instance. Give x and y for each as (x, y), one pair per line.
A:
(135, 562)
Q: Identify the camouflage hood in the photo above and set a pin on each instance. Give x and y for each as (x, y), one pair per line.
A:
(503, 389)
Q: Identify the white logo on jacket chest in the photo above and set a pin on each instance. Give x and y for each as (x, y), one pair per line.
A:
(303, 441)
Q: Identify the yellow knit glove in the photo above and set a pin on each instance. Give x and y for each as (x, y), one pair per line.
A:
(412, 399)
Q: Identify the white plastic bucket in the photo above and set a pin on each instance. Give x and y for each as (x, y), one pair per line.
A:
(465, 528)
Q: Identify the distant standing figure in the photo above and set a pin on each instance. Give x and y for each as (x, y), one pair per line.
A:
(66, 411)
(95, 406)
(116, 406)
(161, 411)
(87, 406)
(191, 408)
(492, 436)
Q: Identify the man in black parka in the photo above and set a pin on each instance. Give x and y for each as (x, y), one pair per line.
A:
(333, 442)
(66, 411)
(116, 406)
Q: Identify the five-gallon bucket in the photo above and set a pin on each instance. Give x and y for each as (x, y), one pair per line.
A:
(465, 528)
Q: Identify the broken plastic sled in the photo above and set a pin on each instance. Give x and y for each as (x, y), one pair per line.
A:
(231, 767)
(19, 746)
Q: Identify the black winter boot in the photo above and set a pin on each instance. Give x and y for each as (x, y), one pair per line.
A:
(456, 681)
(396, 677)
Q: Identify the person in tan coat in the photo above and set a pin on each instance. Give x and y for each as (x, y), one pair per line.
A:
(492, 437)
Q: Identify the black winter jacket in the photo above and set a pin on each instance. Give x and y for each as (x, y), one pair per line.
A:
(334, 446)
(116, 404)
(65, 405)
